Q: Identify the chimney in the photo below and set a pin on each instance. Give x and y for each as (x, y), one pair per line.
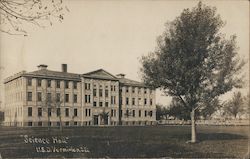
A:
(64, 67)
(121, 75)
(42, 67)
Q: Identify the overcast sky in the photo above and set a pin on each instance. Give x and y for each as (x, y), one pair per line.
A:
(112, 35)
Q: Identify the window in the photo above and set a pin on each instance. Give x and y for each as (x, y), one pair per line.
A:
(127, 112)
(87, 86)
(75, 85)
(100, 92)
(39, 82)
(29, 111)
(87, 98)
(58, 112)
(127, 101)
(75, 112)
(106, 104)
(100, 104)
(94, 104)
(49, 123)
(112, 112)
(29, 81)
(121, 112)
(133, 101)
(106, 93)
(151, 101)
(58, 123)
(133, 90)
(139, 113)
(86, 112)
(30, 123)
(112, 99)
(75, 123)
(66, 112)
(89, 112)
(39, 96)
(49, 96)
(150, 113)
(127, 89)
(49, 83)
(40, 123)
(67, 123)
(112, 88)
(40, 112)
(29, 96)
(49, 111)
(145, 91)
(146, 113)
(145, 101)
(58, 97)
(75, 98)
(66, 98)
(94, 92)
(57, 84)
(133, 112)
(66, 84)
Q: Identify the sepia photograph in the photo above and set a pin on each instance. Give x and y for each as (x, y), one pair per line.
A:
(124, 79)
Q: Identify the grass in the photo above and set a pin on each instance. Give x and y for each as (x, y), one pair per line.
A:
(148, 141)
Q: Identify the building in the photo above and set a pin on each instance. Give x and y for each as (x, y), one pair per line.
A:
(50, 98)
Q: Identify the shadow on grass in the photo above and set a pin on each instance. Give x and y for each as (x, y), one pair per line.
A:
(219, 136)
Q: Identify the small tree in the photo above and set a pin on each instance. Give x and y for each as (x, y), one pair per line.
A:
(235, 106)
(104, 115)
(16, 13)
(52, 103)
(194, 61)
(160, 112)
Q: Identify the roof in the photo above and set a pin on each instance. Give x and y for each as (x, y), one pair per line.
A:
(100, 74)
(53, 74)
(97, 74)
(130, 82)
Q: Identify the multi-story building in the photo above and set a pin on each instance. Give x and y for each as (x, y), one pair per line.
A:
(51, 98)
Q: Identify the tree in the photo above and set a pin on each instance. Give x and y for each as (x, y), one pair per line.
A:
(160, 112)
(104, 116)
(193, 61)
(52, 102)
(235, 106)
(15, 14)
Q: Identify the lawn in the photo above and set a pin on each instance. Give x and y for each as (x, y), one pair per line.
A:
(148, 141)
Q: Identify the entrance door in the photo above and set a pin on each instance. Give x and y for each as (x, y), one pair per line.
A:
(106, 120)
(95, 119)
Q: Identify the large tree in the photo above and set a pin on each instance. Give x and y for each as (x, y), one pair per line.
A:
(15, 15)
(193, 61)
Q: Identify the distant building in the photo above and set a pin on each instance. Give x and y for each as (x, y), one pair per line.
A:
(94, 98)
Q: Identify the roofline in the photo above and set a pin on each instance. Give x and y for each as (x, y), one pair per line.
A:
(101, 78)
(100, 70)
(52, 77)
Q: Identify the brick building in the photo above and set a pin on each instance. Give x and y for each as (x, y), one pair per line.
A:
(50, 98)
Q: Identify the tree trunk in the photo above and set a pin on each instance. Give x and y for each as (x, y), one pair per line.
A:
(193, 127)
(61, 126)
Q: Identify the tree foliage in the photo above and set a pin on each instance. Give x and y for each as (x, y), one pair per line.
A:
(193, 61)
(15, 14)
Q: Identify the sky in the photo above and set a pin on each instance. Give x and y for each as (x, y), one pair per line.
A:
(112, 35)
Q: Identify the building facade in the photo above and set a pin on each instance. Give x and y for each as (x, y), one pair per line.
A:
(54, 98)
